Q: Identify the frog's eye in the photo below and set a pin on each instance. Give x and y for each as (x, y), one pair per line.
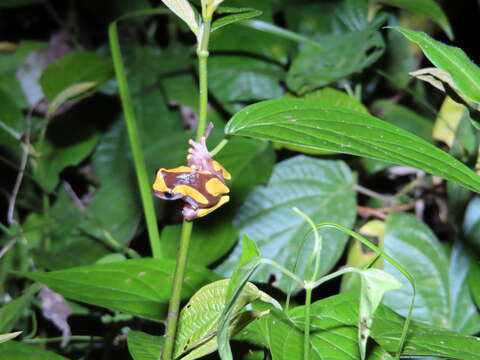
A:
(168, 194)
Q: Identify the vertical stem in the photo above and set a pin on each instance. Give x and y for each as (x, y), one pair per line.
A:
(174, 306)
(139, 161)
(202, 54)
(306, 337)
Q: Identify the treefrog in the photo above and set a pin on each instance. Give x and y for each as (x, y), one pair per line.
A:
(201, 184)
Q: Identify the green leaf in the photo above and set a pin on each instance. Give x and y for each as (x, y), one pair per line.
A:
(140, 287)
(330, 338)
(429, 8)
(442, 289)
(464, 316)
(198, 320)
(339, 315)
(334, 97)
(375, 283)
(11, 121)
(471, 222)
(184, 11)
(453, 60)
(114, 211)
(11, 312)
(208, 243)
(238, 323)
(10, 336)
(238, 79)
(473, 283)
(237, 14)
(14, 350)
(74, 68)
(471, 230)
(328, 97)
(325, 17)
(400, 58)
(143, 346)
(322, 190)
(55, 158)
(360, 257)
(314, 125)
(69, 247)
(69, 93)
(244, 270)
(246, 65)
(404, 118)
(337, 57)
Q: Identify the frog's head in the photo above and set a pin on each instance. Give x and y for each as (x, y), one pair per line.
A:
(164, 184)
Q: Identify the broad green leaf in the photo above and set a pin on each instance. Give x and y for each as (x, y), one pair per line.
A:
(246, 65)
(10, 336)
(140, 287)
(14, 350)
(74, 68)
(238, 323)
(184, 11)
(319, 188)
(339, 314)
(238, 79)
(329, 338)
(327, 17)
(69, 247)
(307, 123)
(429, 8)
(11, 312)
(334, 97)
(328, 97)
(198, 320)
(208, 243)
(53, 159)
(143, 346)
(453, 60)
(233, 15)
(404, 118)
(464, 316)
(339, 56)
(442, 290)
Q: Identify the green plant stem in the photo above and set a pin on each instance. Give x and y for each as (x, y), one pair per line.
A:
(140, 169)
(60, 338)
(306, 337)
(308, 290)
(174, 306)
(219, 147)
(202, 54)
